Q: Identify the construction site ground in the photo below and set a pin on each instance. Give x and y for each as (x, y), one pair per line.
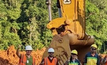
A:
(9, 57)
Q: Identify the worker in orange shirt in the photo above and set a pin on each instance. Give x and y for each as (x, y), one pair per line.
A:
(50, 60)
(26, 59)
(105, 60)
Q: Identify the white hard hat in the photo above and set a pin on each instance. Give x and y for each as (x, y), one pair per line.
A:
(28, 47)
(50, 50)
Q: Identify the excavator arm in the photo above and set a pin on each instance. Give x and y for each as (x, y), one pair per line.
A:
(69, 31)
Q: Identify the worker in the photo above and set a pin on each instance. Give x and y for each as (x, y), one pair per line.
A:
(105, 60)
(73, 60)
(92, 58)
(26, 59)
(50, 60)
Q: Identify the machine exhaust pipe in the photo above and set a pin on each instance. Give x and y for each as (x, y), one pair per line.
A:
(48, 2)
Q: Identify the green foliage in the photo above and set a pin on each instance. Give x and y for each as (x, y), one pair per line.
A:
(42, 20)
(9, 35)
(96, 21)
(24, 22)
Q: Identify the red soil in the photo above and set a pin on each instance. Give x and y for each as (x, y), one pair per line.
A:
(9, 57)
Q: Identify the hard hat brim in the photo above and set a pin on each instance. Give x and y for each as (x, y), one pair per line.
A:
(73, 54)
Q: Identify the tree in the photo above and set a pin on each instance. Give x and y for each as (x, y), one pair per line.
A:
(96, 20)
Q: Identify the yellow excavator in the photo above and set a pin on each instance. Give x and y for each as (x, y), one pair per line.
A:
(69, 30)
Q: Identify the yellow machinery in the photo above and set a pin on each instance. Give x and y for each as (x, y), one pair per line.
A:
(69, 31)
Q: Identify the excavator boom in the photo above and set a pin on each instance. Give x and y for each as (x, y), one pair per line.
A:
(69, 31)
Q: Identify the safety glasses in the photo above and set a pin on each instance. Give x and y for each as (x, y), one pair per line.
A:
(94, 49)
(50, 52)
(73, 54)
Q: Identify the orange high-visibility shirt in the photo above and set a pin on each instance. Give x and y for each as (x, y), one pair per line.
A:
(23, 60)
(47, 61)
(106, 63)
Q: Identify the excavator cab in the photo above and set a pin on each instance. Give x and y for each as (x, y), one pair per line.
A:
(69, 30)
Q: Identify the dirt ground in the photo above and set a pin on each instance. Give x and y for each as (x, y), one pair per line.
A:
(9, 57)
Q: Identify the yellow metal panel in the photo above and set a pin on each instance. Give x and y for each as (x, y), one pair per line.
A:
(73, 18)
(75, 14)
(67, 9)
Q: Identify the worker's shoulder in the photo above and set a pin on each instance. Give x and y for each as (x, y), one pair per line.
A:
(89, 53)
(77, 60)
(48, 58)
(55, 58)
(22, 55)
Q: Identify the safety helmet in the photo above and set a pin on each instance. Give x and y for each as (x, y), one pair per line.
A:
(28, 47)
(51, 50)
(74, 52)
(94, 45)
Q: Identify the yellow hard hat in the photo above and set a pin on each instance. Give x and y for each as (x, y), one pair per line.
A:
(74, 52)
(94, 45)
